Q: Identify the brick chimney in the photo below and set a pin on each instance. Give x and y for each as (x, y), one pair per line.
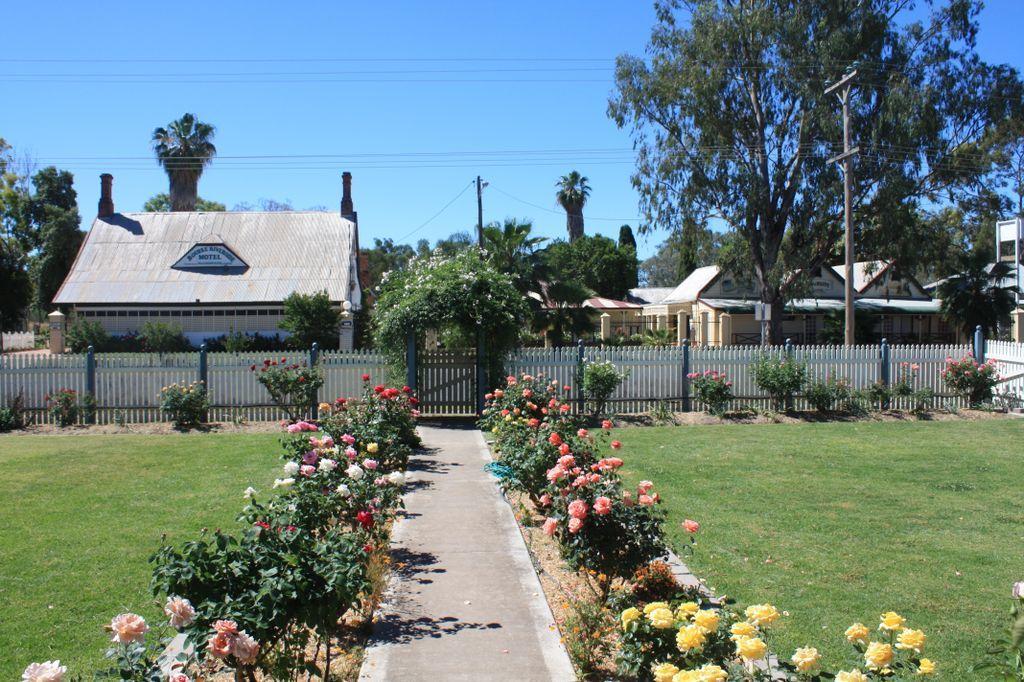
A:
(106, 208)
(347, 209)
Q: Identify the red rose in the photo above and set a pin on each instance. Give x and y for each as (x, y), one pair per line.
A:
(366, 377)
(365, 519)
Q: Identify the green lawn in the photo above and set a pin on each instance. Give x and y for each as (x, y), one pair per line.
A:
(837, 523)
(81, 516)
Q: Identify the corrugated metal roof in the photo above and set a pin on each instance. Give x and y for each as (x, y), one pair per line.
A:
(864, 272)
(648, 295)
(128, 258)
(817, 305)
(690, 289)
(602, 303)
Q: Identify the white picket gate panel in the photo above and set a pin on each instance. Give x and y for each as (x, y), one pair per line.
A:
(18, 340)
(35, 376)
(1009, 359)
(446, 383)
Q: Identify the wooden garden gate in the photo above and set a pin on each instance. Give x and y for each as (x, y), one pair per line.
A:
(446, 383)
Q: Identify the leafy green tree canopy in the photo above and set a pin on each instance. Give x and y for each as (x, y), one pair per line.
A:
(730, 120)
(161, 203)
(311, 318)
(596, 262)
(54, 211)
(978, 295)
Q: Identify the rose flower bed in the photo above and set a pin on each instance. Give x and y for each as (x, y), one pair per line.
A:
(271, 598)
(621, 610)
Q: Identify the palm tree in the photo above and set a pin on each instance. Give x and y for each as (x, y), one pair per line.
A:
(512, 250)
(562, 315)
(977, 295)
(572, 194)
(184, 148)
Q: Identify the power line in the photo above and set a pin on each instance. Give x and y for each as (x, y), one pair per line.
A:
(549, 210)
(443, 209)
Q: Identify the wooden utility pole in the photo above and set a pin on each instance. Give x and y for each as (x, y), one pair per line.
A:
(479, 212)
(842, 89)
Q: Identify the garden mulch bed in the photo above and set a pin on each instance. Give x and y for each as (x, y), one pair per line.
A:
(154, 428)
(805, 416)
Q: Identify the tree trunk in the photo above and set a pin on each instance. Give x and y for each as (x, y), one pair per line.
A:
(184, 190)
(574, 223)
(773, 335)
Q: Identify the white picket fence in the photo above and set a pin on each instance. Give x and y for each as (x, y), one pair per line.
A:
(1009, 359)
(657, 374)
(18, 341)
(128, 384)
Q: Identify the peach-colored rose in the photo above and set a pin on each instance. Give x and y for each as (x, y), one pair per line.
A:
(602, 506)
(179, 677)
(545, 500)
(550, 526)
(575, 525)
(180, 612)
(227, 627)
(220, 645)
(691, 526)
(127, 628)
(646, 500)
(644, 487)
(627, 499)
(578, 509)
(245, 649)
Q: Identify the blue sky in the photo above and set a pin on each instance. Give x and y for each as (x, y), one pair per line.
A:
(314, 107)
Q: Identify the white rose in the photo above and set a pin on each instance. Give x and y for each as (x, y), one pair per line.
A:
(50, 671)
(249, 493)
(327, 465)
(291, 468)
(344, 490)
(354, 472)
(283, 482)
(396, 477)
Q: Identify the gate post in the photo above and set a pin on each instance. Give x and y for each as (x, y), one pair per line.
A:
(686, 375)
(90, 383)
(580, 356)
(203, 376)
(410, 360)
(481, 372)
(884, 369)
(979, 345)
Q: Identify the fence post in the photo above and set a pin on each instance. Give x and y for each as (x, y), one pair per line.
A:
(90, 383)
(481, 372)
(410, 360)
(979, 344)
(314, 357)
(580, 402)
(204, 376)
(789, 356)
(686, 375)
(884, 369)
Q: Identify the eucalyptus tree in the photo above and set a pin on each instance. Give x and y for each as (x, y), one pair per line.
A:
(573, 192)
(184, 148)
(730, 120)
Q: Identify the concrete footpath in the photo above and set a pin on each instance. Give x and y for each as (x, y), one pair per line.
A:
(464, 602)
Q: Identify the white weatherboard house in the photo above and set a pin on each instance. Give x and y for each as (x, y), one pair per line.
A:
(713, 307)
(212, 273)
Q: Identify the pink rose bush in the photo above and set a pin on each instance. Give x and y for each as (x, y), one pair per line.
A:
(255, 599)
(971, 380)
(713, 389)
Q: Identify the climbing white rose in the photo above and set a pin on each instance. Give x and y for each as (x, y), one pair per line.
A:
(354, 472)
(283, 482)
(291, 468)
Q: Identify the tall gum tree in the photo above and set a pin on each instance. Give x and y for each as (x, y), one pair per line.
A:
(730, 122)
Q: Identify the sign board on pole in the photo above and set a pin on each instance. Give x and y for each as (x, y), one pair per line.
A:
(762, 312)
